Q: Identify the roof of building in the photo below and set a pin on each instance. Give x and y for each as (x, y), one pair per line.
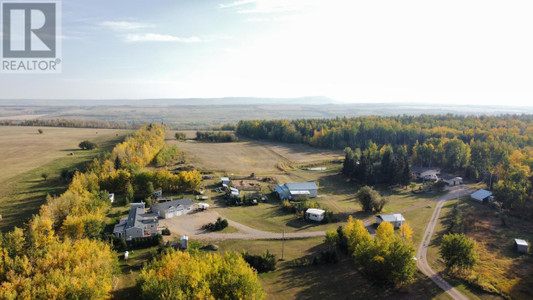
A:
(392, 218)
(423, 169)
(520, 242)
(301, 186)
(315, 211)
(224, 178)
(448, 177)
(300, 192)
(136, 217)
(185, 202)
(481, 194)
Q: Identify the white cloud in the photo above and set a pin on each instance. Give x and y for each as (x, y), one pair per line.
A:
(124, 25)
(236, 3)
(155, 37)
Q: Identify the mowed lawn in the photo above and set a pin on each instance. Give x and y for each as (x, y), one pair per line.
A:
(22, 194)
(499, 265)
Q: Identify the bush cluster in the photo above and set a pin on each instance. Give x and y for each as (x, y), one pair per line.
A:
(261, 263)
(217, 226)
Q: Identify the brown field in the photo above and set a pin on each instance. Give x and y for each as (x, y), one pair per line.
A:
(247, 157)
(23, 148)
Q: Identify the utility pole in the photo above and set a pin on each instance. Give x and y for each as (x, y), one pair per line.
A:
(282, 244)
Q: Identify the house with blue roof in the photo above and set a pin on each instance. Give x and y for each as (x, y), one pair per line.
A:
(289, 191)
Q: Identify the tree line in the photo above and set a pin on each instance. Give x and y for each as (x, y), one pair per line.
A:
(496, 149)
(216, 137)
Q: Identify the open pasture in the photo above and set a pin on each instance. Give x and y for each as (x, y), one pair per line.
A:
(22, 148)
(246, 157)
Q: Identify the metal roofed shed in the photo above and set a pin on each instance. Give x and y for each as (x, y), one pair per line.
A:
(521, 246)
(396, 220)
(483, 196)
(288, 190)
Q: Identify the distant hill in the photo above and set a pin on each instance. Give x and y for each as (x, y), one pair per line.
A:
(314, 100)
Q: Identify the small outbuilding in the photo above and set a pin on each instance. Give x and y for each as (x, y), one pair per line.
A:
(521, 246)
(396, 220)
(112, 197)
(450, 180)
(482, 195)
(315, 214)
(225, 181)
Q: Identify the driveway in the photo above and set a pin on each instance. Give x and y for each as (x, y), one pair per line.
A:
(191, 225)
(422, 264)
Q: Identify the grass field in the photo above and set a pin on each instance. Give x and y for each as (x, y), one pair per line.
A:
(22, 194)
(341, 280)
(246, 157)
(500, 267)
(22, 148)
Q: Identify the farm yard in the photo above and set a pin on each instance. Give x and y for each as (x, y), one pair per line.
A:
(26, 155)
(263, 223)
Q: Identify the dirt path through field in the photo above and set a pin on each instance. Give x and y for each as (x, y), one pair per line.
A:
(422, 262)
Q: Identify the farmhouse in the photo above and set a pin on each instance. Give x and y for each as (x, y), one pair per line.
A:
(396, 220)
(521, 246)
(291, 190)
(482, 196)
(425, 173)
(450, 180)
(315, 214)
(137, 224)
(167, 209)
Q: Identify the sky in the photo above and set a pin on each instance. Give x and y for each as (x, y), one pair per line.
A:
(454, 51)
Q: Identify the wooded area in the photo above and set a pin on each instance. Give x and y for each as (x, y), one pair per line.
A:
(496, 149)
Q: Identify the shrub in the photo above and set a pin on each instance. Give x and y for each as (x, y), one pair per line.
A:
(370, 199)
(87, 145)
(180, 136)
(165, 231)
(262, 263)
(458, 252)
(219, 225)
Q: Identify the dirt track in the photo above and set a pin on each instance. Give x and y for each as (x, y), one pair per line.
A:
(421, 256)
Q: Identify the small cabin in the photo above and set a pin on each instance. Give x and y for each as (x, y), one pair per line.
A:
(396, 220)
(315, 214)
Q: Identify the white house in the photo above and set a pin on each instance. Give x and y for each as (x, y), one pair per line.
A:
(452, 180)
(234, 192)
(138, 224)
(290, 190)
(167, 209)
(315, 214)
(483, 196)
(425, 173)
(396, 220)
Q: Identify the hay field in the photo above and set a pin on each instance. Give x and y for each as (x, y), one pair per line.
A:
(246, 156)
(23, 148)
